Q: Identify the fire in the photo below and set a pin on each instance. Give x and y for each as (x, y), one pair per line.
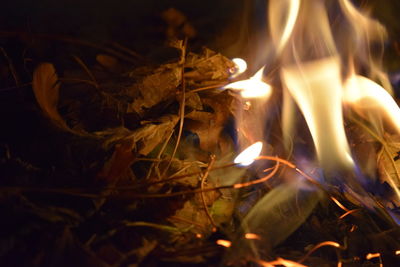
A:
(321, 58)
(316, 88)
(312, 68)
(253, 87)
(364, 94)
(248, 156)
(240, 66)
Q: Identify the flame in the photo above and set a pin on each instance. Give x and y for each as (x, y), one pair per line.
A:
(253, 87)
(316, 88)
(364, 93)
(314, 54)
(240, 66)
(248, 156)
(281, 35)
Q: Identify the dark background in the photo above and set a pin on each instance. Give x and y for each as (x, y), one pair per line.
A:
(229, 26)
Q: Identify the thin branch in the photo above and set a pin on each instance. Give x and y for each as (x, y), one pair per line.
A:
(86, 69)
(11, 67)
(203, 179)
(182, 107)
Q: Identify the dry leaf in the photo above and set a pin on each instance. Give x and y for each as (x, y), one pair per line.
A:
(388, 164)
(46, 89)
(119, 163)
(209, 125)
(109, 62)
(151, 135)
(155, 88)
(207, 68)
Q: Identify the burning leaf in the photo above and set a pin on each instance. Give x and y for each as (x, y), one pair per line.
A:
(46, 88)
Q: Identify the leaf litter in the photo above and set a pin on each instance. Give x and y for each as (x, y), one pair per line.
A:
(126, 189)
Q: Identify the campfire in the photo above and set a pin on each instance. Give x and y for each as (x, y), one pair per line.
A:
(183, 157)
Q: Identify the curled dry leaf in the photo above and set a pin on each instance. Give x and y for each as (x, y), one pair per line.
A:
(155, 88)
(108, 62)
(209, 125)
(151, 135)
(119, 163)
(389, 163)
(46, 87)
(207, 68)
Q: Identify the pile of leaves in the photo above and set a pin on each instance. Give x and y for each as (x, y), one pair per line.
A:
(115, 159)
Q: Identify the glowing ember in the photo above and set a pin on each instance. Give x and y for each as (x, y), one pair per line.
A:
(397, 252)
(372, 256)
(241, 66)
(224, 243)
(253, 87)
(252, 236)
(248, 156)
(280, 262)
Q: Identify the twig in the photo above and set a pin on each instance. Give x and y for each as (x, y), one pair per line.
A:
(206, 88)
(87, 70)
(11, 67)
(184, 220)
(322, 244)
(182, 107)
(73, 80)
(127, 51)
(203, 179)
(156, 164)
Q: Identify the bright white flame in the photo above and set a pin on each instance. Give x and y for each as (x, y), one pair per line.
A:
(281, 31)
(248, 155)
(317, 90)
(365, 93)
(253, 87)
(241, 66)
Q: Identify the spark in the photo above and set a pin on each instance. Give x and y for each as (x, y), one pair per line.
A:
(348, 213)
(375, 255)
(397, 252)
(252, 236)
(224, 243)
(340, 205)
(372, 255)
(279, 262)
(322, 244)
